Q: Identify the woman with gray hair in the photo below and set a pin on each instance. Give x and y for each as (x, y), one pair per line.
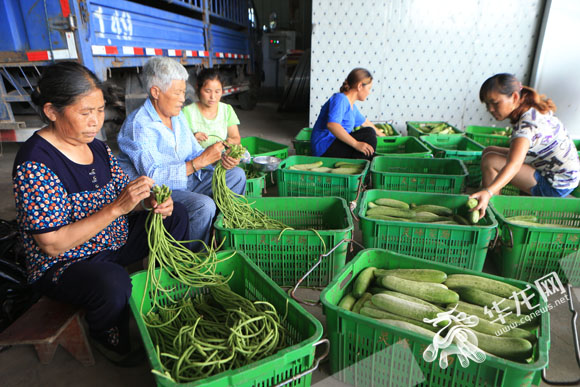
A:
(156, 141)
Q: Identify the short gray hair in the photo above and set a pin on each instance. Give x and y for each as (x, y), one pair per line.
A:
(160, 71)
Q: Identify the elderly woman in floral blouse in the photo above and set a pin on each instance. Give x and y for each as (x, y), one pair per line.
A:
(80, 217)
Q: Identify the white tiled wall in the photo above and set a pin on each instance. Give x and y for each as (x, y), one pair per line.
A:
(428, 58)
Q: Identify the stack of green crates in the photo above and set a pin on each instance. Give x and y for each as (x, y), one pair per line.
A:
(286, 255)
(483, 135)
(418, 174)
(402, 147)
(458, 245)
(367, 352)
(458, 147)
(307, 183)
(302, 142)
(412, 127)
(303, 329)
(529, 252)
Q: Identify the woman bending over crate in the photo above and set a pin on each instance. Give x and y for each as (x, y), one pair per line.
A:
(541, 160)
(80, 217)
(155, 141)
(211, 120)
(332, 135)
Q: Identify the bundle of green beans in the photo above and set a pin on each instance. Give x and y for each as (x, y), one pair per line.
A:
(237, 211)
(174, 257)
(215, 332)
(251, 173)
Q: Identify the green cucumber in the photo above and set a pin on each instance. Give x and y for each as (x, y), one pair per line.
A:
(361, 301)
(385, 217)
(428, 217)
(402, 307)
(346, 171)
(486, 284)
(511, 348)
(306, 167)
(419, 275)
(423, 290)
(491, 328)
(473, 217)
(476, 310)
(406, 297)
(461, 220)
(392, 203)
(347, 302)
(407, 326)
(346, 164)
(372, 205)
(391, 211)
(483, 298)
(362, 281)
(471, 203)
(435, 209)
(375, 313)
(321, 169)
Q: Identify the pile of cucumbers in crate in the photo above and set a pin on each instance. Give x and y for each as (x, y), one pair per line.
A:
(340, 167)
(387, 129)
(396, 210)
(507, 132)
(435, 128)
(532, 220)
(405, 297)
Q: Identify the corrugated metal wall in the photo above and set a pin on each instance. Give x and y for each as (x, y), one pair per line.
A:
(428, 58)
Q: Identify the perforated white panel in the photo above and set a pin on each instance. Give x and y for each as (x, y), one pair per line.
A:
(428, 58)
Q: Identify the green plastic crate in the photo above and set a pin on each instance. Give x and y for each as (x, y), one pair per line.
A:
(529, 252)
(306, 183)
(510, 190)
(404, 146)
(258, 146)
(248, 281)
(287, 256)
(413, 125)
(458, 147)
(577, 143)
(418, 174)
(483, 135)
(255, 186)
(302, 142)
(366, 352)
(462, 246)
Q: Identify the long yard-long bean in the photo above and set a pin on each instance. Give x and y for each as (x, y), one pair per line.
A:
(237, 211)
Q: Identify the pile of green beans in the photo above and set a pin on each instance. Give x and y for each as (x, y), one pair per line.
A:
(251, 173)
(215, 332)
(174, 257)
(237, 211)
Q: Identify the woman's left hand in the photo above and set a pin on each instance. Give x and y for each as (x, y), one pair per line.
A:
(380, 133)
(483, 201)
(229, 162)
(165, 208)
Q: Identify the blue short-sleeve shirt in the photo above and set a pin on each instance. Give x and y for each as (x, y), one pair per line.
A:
(337, 109)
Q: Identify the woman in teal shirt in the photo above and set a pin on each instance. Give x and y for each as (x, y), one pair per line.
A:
(332, 135)
(209, 119)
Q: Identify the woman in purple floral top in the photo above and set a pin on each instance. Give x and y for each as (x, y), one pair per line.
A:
(541, 160)
(80, 217)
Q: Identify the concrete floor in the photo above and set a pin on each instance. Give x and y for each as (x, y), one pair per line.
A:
(19, 365)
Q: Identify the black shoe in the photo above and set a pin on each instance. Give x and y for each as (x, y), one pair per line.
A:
(117, 349)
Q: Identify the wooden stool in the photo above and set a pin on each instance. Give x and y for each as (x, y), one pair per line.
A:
(47, 324)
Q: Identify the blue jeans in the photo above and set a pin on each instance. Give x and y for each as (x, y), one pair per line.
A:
(200, 206)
